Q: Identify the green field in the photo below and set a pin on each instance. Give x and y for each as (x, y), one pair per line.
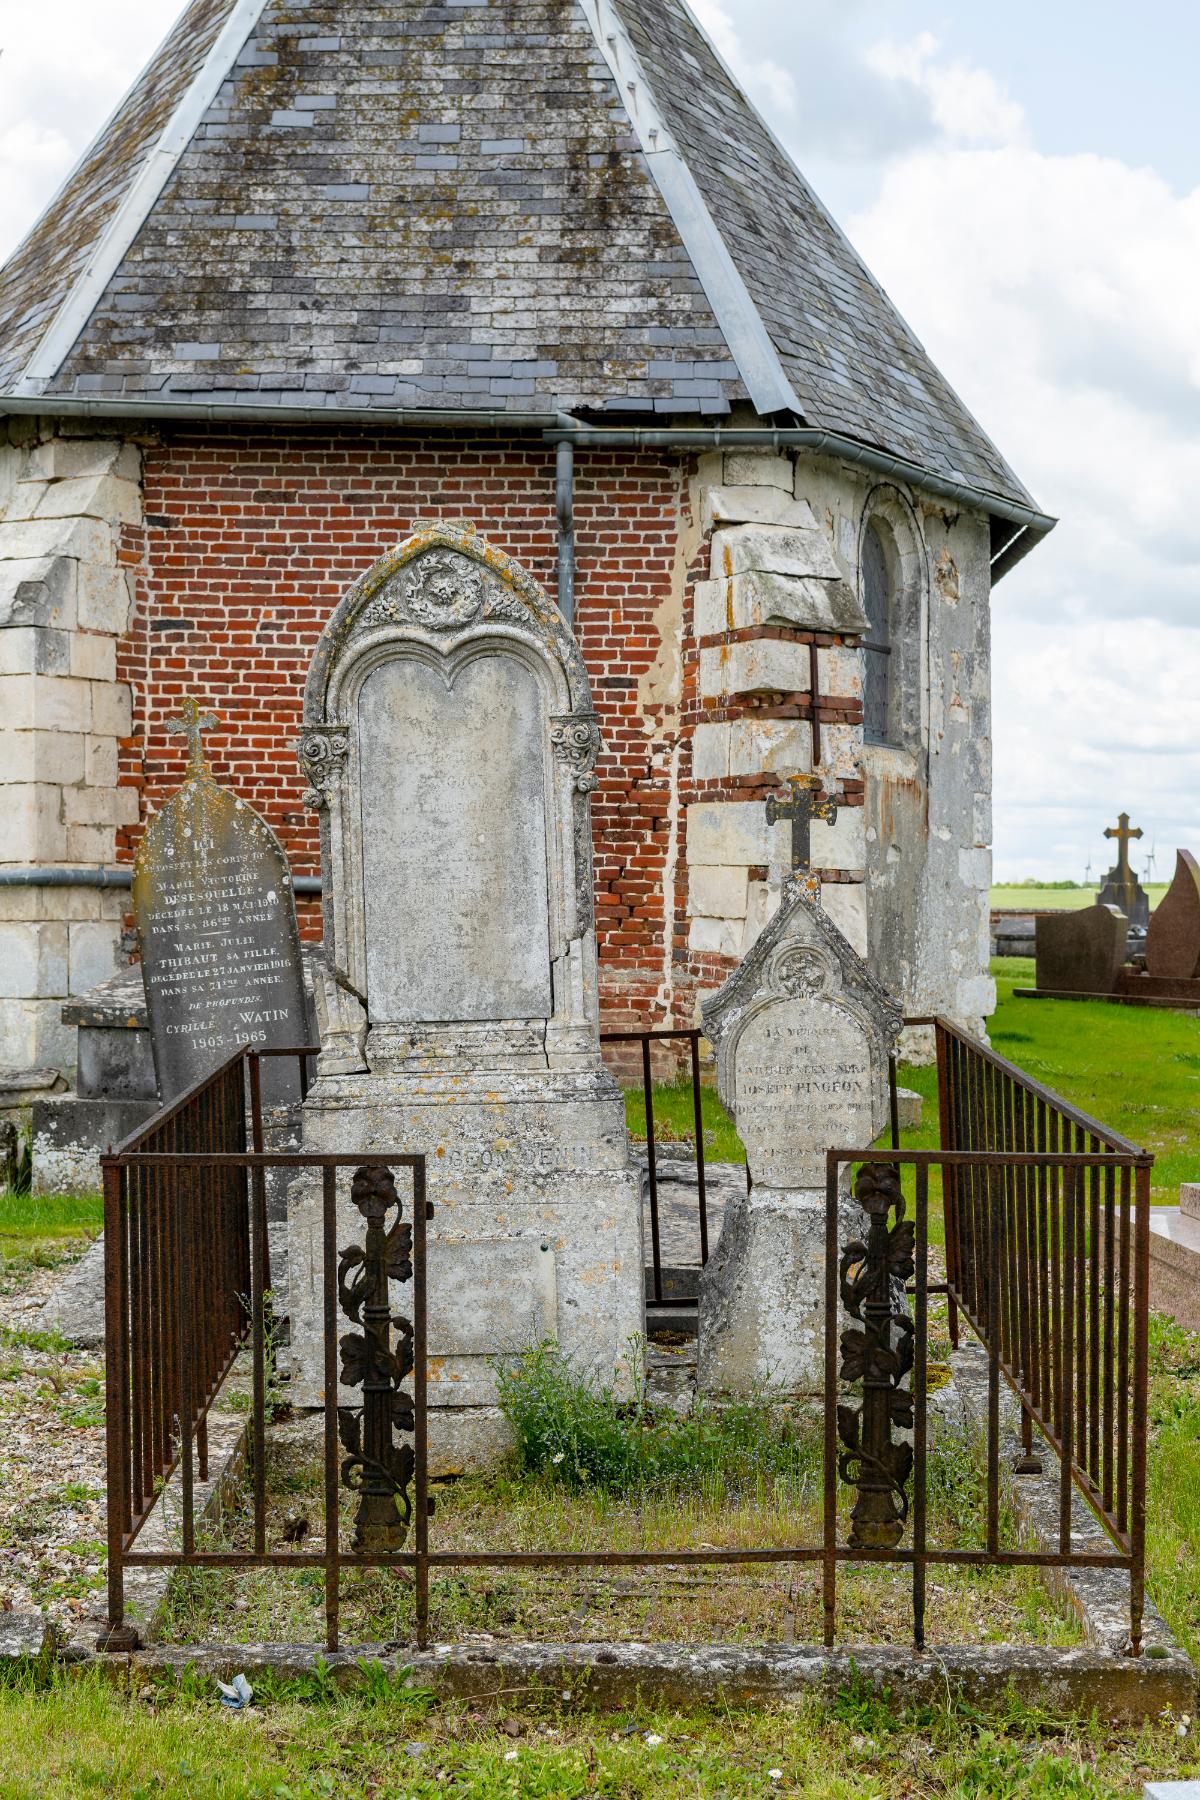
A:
(1042, 899)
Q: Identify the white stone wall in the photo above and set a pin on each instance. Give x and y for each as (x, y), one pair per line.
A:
(913, 863)
(65, 599)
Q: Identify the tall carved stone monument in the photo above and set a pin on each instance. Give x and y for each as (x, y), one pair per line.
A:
(1121, 886)
(216, 922)
(802, 1033)
(449, 741)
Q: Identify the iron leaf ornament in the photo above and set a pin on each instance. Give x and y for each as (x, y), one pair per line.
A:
(376, 1466)
(880, 1356)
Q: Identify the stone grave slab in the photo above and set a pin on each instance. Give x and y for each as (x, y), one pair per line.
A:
(1173, 939)
(1081, 952)
(802, 1033)
(216, 923)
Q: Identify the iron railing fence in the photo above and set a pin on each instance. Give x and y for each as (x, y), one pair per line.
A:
(1047, 1221)
(186, 1269)
(1025, 1204)
(645, 1039)
(187, 1275)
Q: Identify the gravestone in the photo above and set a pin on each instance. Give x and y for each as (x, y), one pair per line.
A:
(1173, 940)
(449, 743)
(1081, 952)
(802, 1033)
(1121, 886)
(216, 924)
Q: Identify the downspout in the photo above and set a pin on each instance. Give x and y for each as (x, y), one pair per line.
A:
(118, 875)
(565, 501)
(1033, 525)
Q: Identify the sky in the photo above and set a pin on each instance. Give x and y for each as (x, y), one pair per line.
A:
(1025, 182)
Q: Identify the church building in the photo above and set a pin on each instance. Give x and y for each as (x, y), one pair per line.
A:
(336, 268)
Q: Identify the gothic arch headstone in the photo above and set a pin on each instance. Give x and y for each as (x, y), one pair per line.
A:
(449, 743)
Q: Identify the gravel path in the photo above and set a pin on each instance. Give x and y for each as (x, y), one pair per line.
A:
(52, 1524)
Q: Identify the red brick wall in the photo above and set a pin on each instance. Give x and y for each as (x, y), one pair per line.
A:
(253, 537)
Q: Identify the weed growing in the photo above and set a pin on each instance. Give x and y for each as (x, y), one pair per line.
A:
(581, 1434)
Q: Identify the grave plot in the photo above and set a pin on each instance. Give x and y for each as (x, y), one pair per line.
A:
(593, 1475)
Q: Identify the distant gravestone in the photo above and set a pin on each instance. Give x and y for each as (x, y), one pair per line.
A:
(1173, 940)
(802, 1033)
(216, 922)
(1121, 886)
(1081, 952)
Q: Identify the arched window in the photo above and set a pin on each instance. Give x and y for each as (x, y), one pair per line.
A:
(877, 644)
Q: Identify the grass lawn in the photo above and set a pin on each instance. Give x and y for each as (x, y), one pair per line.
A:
(27, 1220)
(1041, 899)
(303, 1741)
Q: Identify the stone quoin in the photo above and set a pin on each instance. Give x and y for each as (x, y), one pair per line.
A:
(216, 419)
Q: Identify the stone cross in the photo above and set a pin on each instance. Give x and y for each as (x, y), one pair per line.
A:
(193, 722)
(1122, 831)
(807, 803)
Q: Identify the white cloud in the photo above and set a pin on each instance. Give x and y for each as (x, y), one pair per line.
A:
(1058, 293)
(966, 103)
(768, 81)
(63, 66)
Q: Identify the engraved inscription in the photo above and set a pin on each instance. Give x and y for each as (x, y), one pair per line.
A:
(219, 943)
(804, 1078)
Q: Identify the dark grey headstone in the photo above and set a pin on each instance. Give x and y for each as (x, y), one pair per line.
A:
(212, 896)
(1129, 897)
(1081, 952)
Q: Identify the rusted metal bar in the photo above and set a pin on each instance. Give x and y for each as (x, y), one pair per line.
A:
(258, 1286)
(698, 1116)
(829, 1513)
(330, 1320)
(652, 1167)
(618, 1559)
(1141, 1385)
(920, 1405)
(422, 1211)
(116, 1635)
(1066, 1418)
(993, 1341)
(893, 1100)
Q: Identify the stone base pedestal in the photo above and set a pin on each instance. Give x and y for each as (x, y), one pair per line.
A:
(536, 1230)
(1175, 1257)
(762, 1293)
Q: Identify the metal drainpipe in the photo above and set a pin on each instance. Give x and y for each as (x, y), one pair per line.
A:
(831, 443)
(565, 502)
(104, 876)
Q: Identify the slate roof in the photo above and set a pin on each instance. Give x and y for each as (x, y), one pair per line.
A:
(446, 205)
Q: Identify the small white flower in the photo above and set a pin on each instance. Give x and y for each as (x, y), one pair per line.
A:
(775, 1774)
(1181, 1730)
(653, 1739)
(510, 1756)
(558, 1458)
(566, 1693)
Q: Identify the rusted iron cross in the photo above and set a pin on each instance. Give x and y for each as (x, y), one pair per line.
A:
(808, 802)
(1123, 831)
(193, 723)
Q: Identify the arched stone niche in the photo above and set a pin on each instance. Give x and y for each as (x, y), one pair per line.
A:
(890, 514)
(449, 742)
